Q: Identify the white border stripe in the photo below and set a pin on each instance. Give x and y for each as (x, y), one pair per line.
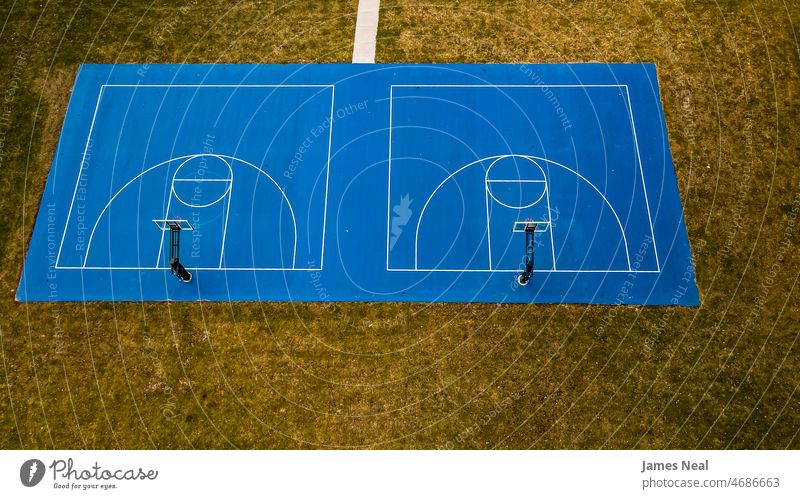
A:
(210, 85)
(366, 31)
(80, 171)
(327, 182)
(641, 171)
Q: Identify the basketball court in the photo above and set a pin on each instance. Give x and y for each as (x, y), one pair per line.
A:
(344, 182)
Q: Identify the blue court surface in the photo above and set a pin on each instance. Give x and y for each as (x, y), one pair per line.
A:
(343, 182)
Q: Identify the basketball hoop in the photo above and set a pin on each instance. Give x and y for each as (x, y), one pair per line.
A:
(530, 228)
(175, 226)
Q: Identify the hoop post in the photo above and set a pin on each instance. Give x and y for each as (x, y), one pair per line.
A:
(530, 233)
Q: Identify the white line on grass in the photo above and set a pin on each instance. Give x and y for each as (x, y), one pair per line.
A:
(366, 31)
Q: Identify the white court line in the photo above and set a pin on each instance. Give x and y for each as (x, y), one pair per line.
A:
(641, 170)
(366, 31)
(511, 86)
(558, 271)
(550, 218)
(327, 180)
(425, 206)
(487, 193)
(286, 269)
(229, 181)
(102, 212)
(227, 213)
(187, 157)
(389, 185)
(94, 117)
(286, 198)
(250, 269)
(487, 181)
(518, 181)
(226, 269)
(544, 191)
(608, 203)
(80, 170)
(533, 159)
(166, 212)
(190, 85)
(201, 180)
(161, 247)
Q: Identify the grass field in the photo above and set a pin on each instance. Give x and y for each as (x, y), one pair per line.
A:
(266, 375)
